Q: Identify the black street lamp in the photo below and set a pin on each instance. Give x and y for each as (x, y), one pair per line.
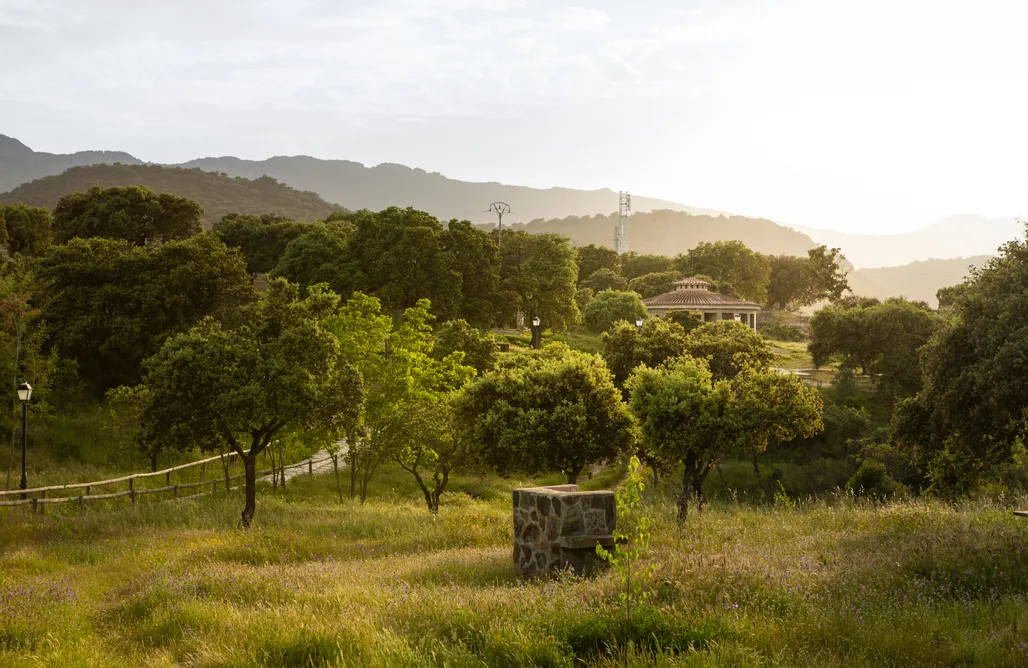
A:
(537, 333)
(639, 323)
(24, 394)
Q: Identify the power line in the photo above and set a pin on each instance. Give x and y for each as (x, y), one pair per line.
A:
(499, 208)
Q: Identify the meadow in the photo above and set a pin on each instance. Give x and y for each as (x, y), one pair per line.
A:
(830, 580)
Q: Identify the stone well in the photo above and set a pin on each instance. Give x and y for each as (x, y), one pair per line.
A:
(559, 527)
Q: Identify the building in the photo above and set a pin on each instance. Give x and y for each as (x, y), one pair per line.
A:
(693, 294)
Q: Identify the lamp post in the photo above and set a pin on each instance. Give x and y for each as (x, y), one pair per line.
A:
(24, 394)
(639, 323)
(537, 333)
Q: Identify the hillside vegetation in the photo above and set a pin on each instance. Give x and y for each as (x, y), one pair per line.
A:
(666, 232)
(916, 281)
(19, 164)
(218, 194)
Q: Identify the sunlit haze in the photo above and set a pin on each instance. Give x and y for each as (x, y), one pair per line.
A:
(871, 116)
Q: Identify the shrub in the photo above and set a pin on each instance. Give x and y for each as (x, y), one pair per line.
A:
(872, 479)
(610, 306)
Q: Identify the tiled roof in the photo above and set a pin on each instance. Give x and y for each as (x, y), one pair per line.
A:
(682, 297)
(692, 283)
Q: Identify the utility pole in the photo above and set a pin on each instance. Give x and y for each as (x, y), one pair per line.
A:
(499, 208)
(624, 210)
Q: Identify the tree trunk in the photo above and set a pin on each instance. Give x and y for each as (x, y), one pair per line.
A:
(353, 473)
(153, 462)
(683, 497)
(250, 467)
(756, 466)
(656, 476)
(339, 487)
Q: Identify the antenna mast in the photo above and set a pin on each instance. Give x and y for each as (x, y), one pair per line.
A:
(499, 208)
(624, 210)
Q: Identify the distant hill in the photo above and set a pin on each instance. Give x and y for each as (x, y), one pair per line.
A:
(20, 164)
(952, 237)
(219, 194)
(916, 281)
(671, 232)
(358, 187)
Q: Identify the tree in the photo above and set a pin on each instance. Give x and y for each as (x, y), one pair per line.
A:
(316, 256)
(557, 410)
(966, 421)
(799, 281)
(29, 228)
(686, 416)
(728, 347)
(261, 239)
(109, 305)
(731, 262)
(135, 214)
(479, 348)
(605, 279)
(651, 285)
(592, 258)
(474, 256)
(610, 306)
(538, 273)
(279, 371)
(626, 346)
(634, 265)
(433, 446)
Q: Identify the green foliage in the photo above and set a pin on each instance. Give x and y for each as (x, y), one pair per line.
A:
(582, 298)
(316, 256)
(611, 306)
(605, 279)
(729, 262)
(135, 214)
(872, 479)
(882, 340)
(557, 410)
(728, 347)
(657, 283)
(687, 320)
(631, 546)
(109, 305)
(538, 274)
(688, 416)
(964, 424)
(25, 229)
(949, 297)
(778, 328)
(799, 281)
(475, 257)
(217, 193)
(261, 239)
(480, 348)
(634, 265)
(280, 370)
(626, 345)
(592, 258)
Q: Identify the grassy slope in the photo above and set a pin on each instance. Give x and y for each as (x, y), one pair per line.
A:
(318, 582)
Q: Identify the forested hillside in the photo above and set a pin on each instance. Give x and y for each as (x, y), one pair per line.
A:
(667, 232)
(19, 164)
(916, 281)
(219, 194)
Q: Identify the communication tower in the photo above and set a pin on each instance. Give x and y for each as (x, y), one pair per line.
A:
(624, 210)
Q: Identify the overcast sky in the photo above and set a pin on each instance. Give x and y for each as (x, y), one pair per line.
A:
(870, 115)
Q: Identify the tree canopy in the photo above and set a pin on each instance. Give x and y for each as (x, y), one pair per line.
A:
(797, 281)
(261, 239)
(610, 306)
(25, 229)
(538, 273)
(730, 262)
(729, 347)
(135, 214)
(592, 258)
(626, 345)
(657, 283)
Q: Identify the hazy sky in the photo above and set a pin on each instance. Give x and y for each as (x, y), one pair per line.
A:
(871, 115)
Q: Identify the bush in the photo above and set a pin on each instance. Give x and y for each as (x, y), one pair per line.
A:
(610, 306)
(778, 328)
(480, 348)
(872, 479)
(605, 279)
(687, 319)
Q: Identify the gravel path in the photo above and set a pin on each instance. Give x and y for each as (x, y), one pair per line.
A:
(301, 468)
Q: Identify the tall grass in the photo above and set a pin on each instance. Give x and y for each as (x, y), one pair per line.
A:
(833, 581)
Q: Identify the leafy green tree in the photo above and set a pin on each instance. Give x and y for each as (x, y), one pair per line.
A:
(433, 447)
(799, 281)
(592, 258)
(582, 298)
(29, 228)
(134, 214)
(688, 417)
(316, 256)
(610, 306)
(687, 320)
(261, 239)
(970, 415)
(626, 345)
(651, 285)
(279, 371)
(730, 262)
(605, 279)
(110, 305)
(479, 348)
(3, 229)
(634, 265)
(538, 273)
(949, 297)
(882, 340)
(557, 410)
(473, 255)
(728, 347)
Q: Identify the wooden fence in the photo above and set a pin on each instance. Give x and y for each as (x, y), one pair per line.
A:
(40, 497)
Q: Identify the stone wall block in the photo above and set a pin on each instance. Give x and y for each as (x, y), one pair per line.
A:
(559, 527)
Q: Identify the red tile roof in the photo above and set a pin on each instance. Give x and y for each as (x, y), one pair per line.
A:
(702, 297)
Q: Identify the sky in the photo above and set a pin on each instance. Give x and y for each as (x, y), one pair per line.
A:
(872, 116)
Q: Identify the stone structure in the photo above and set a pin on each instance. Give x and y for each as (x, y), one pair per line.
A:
(693, 294)
(557, 527)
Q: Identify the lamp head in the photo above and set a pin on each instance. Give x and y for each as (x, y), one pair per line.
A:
(536, 321)
(24, 392)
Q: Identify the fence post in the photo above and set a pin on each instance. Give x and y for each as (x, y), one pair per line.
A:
(35, 504)
(214, 487)
(167, 478)
(82, 503)
(132, 488)
(310, 466)
(176, 492)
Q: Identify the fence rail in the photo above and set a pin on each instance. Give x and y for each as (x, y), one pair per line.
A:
(39, 498)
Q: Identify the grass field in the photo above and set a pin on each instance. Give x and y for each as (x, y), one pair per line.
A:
(834, 581)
